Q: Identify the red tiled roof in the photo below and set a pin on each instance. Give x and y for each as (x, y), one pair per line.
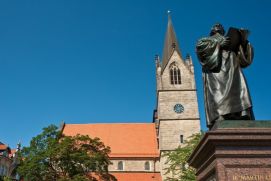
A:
(137, 176)
(3, 147)
(12, 151)
(124, 139)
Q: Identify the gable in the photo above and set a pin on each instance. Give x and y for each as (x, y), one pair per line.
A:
(186, 75)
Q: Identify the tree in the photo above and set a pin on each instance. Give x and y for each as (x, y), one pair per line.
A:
(177, 160)
(4, 178)
(52, 156)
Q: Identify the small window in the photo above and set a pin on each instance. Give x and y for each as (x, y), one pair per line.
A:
(147, 166)
(175, 75)
(120, 165)
(181, 138)
(183, 167)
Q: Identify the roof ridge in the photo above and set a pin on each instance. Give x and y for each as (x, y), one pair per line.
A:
(105, 123)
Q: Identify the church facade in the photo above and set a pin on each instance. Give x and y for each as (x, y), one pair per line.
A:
(136, 148)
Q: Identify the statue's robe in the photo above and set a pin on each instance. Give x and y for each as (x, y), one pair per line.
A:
(225, 88)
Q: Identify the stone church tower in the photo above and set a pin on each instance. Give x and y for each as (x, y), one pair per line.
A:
(176, 115)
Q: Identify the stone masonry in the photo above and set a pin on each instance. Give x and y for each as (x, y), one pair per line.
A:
(171, 125)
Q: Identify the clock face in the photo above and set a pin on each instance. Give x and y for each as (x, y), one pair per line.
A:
(178, 108)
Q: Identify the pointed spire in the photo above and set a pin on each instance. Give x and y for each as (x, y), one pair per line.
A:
(170, 43)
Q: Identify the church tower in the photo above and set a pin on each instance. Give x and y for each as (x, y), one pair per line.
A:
(176, 115)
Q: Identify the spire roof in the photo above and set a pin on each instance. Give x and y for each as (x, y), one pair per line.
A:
(170, 43)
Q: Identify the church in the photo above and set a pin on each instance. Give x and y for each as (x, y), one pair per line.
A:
(136, 148)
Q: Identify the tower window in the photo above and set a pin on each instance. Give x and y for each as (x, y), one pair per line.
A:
(181, 138)
(175, 75)
(120, 165)
(147, 165)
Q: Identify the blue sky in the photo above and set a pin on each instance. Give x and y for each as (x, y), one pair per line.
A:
(92, 61)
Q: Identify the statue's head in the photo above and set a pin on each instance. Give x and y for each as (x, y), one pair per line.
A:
(217, 28)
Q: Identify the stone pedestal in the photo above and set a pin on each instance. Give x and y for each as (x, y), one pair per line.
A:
(234, 151)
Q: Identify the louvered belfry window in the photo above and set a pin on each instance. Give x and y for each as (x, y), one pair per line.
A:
(175, 75)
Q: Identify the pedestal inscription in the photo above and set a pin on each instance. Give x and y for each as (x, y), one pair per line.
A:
(249, 174)
(234, 151)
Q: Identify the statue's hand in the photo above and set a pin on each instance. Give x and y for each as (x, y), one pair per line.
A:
(225, 43)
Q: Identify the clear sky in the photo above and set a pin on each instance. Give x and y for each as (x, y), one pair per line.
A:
(92, 61)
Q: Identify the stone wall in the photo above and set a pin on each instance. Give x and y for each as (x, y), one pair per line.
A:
(5, 164)
(187, 76)
(168, 99)
(170, 131)
(171, 124)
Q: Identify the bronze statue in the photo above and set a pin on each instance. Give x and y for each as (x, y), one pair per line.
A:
(222, 58)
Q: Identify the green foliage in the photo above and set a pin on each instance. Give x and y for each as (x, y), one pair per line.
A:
(52, 156)
(5, 178)
(177, 161)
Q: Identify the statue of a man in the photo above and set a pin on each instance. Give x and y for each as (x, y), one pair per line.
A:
(226, 93)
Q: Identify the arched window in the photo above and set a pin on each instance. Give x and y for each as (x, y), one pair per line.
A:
(147, 165)
(175, 74)
(120, 165)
